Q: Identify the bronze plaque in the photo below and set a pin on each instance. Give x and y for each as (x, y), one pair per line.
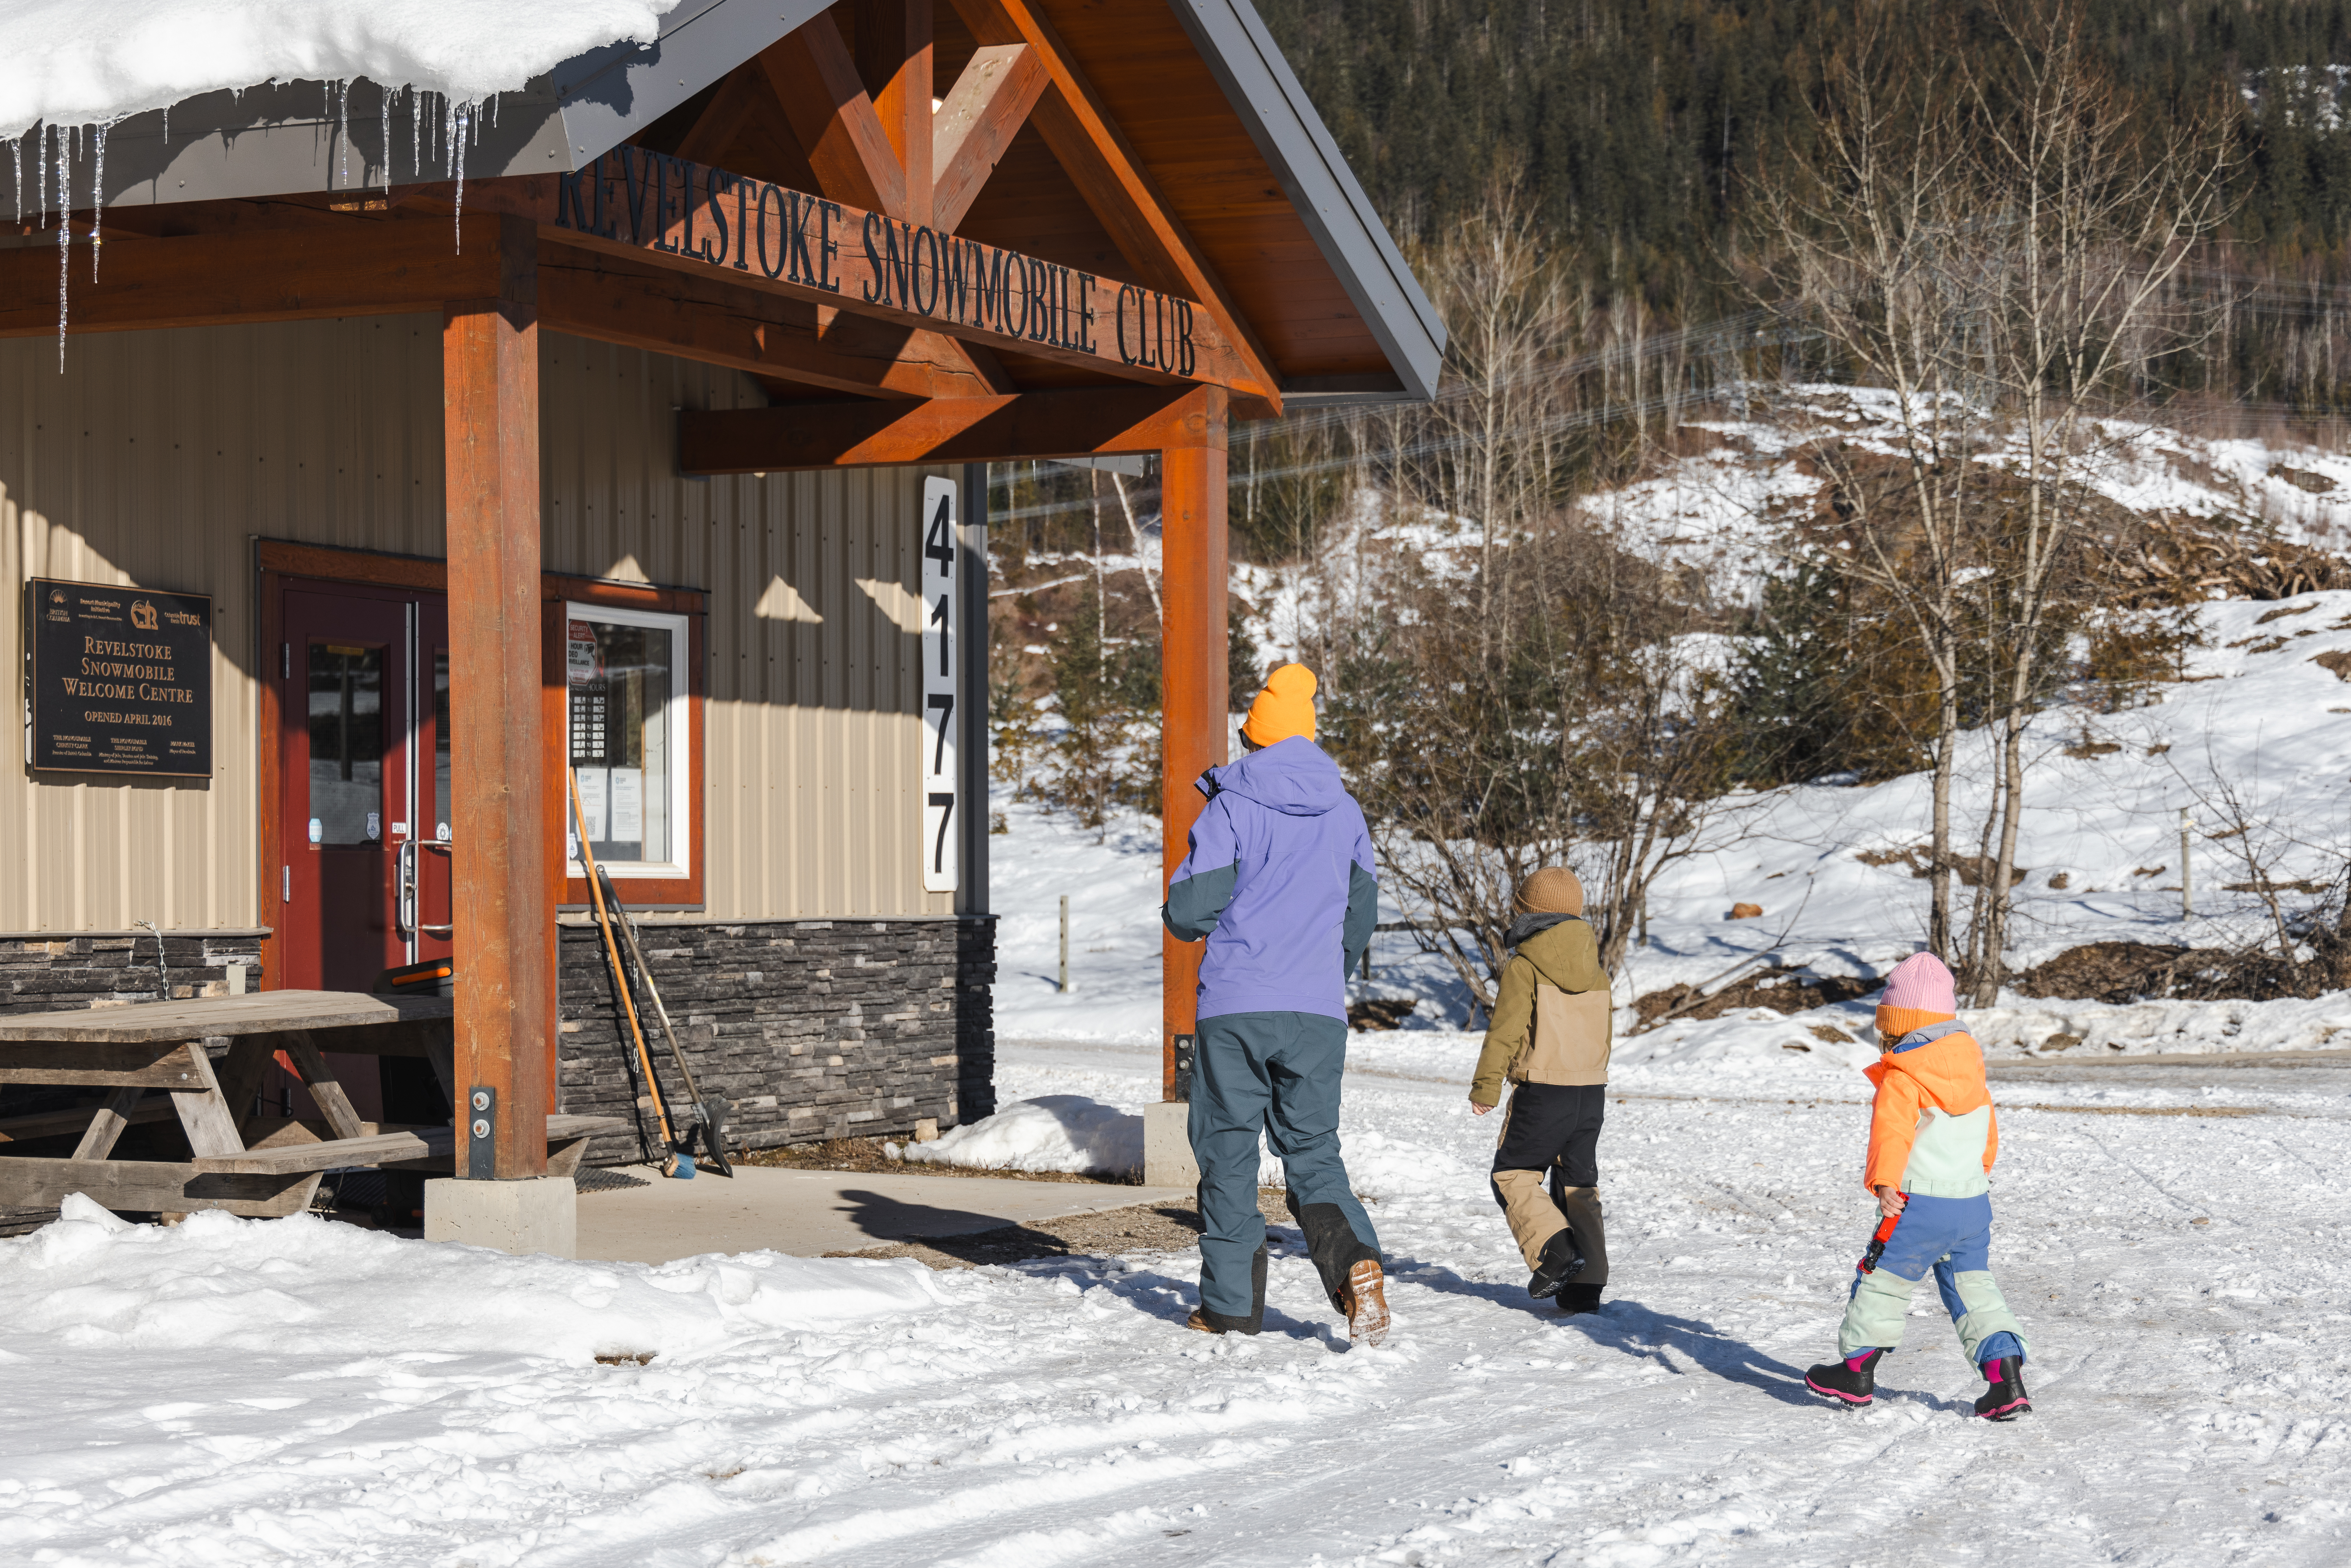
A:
(123, 680)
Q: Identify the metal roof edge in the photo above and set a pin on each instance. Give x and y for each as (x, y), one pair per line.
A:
(610, 94)
(1264, 91)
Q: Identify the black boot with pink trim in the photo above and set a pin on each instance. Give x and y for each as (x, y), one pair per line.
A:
(1853, 1381)
(2005, 1400)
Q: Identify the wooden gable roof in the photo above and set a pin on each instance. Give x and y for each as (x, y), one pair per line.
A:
(1158, 143)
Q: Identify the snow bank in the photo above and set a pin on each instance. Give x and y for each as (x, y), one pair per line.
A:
(302, 1285)
(1072, 1133)
(1757, 1042)
(1082, 1135)
(2139, 1029)
(81, 62)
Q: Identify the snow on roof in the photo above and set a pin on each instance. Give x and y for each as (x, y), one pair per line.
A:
(84, 62)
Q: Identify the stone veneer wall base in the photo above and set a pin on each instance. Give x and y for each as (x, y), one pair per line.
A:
(812, 1028)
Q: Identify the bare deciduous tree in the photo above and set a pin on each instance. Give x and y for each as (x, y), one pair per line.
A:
(1995, 248)
(2098, 218)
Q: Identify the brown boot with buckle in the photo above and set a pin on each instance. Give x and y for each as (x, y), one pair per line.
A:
(1364, 1300)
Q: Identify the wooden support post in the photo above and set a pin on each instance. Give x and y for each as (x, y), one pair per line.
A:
(1193, 710)
(505, 923)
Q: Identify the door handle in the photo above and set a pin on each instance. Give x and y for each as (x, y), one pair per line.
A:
(416, 895)
(405, 886)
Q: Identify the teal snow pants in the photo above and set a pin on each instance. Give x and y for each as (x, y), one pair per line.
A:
(1277, 1074)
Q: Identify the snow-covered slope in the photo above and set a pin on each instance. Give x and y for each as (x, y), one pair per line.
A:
(2254, 743)
(2259, 719)
(1719, 513)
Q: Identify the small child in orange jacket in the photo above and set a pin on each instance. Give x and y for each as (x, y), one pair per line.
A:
(1933, 1136)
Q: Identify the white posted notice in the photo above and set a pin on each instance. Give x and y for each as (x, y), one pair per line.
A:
(940, 680)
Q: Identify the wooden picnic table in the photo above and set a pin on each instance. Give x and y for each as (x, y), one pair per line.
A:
(207, 1058)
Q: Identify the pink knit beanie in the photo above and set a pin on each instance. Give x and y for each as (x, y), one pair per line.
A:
(1917, 993)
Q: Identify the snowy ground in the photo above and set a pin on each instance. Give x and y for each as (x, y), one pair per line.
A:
(237, 1392)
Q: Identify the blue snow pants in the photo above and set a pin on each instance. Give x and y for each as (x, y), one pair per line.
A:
(1278, 1072)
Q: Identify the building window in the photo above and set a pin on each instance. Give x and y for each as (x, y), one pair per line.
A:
(345, 744)
(625, 681)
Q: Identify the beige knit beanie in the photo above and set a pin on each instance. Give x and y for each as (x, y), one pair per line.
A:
(1550, 891)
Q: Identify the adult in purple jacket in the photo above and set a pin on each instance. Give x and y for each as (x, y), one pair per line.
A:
(1279, 880)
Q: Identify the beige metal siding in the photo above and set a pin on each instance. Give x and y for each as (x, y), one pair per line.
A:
(156, 458)
(813, 728)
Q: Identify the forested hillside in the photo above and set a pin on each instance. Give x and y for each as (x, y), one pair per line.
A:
(1639, 127)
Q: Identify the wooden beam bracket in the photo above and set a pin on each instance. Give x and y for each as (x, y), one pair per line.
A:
(976, 123)
(1089, 421)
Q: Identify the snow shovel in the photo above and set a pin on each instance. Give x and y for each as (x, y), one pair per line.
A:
(674, 1161)
(709, 1114)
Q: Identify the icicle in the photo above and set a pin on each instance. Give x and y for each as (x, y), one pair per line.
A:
(17, 151)
(385, 102)
(41, 168)
(167, 125)
(97, 198)
(64, 236)
(462, 118)
(344, 129)
(416, 134)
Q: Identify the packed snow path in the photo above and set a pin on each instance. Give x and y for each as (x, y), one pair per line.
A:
(2182, 1278)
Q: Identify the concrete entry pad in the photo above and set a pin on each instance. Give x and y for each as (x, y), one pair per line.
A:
(811, 1213)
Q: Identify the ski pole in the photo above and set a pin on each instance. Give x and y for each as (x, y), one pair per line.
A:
(713, 1130)
(620, 980)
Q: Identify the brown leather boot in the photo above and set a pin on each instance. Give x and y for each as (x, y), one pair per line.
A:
(1364, 1300)
(1208, 1320)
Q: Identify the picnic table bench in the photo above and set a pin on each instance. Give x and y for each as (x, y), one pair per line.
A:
(206, 1059)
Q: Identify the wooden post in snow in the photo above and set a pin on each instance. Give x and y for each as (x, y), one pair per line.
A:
(2187, 872)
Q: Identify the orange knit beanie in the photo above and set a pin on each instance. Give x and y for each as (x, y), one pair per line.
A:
(1286, 706)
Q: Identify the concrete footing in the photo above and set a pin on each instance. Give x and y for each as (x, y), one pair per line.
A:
(541, 1215)
(1167, 1145)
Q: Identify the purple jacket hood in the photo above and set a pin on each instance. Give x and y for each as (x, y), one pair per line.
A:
(1293, 777)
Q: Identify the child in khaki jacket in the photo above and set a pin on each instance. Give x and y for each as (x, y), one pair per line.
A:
(1549, 1036)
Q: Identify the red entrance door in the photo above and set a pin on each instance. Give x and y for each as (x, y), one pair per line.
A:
(363, 762)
